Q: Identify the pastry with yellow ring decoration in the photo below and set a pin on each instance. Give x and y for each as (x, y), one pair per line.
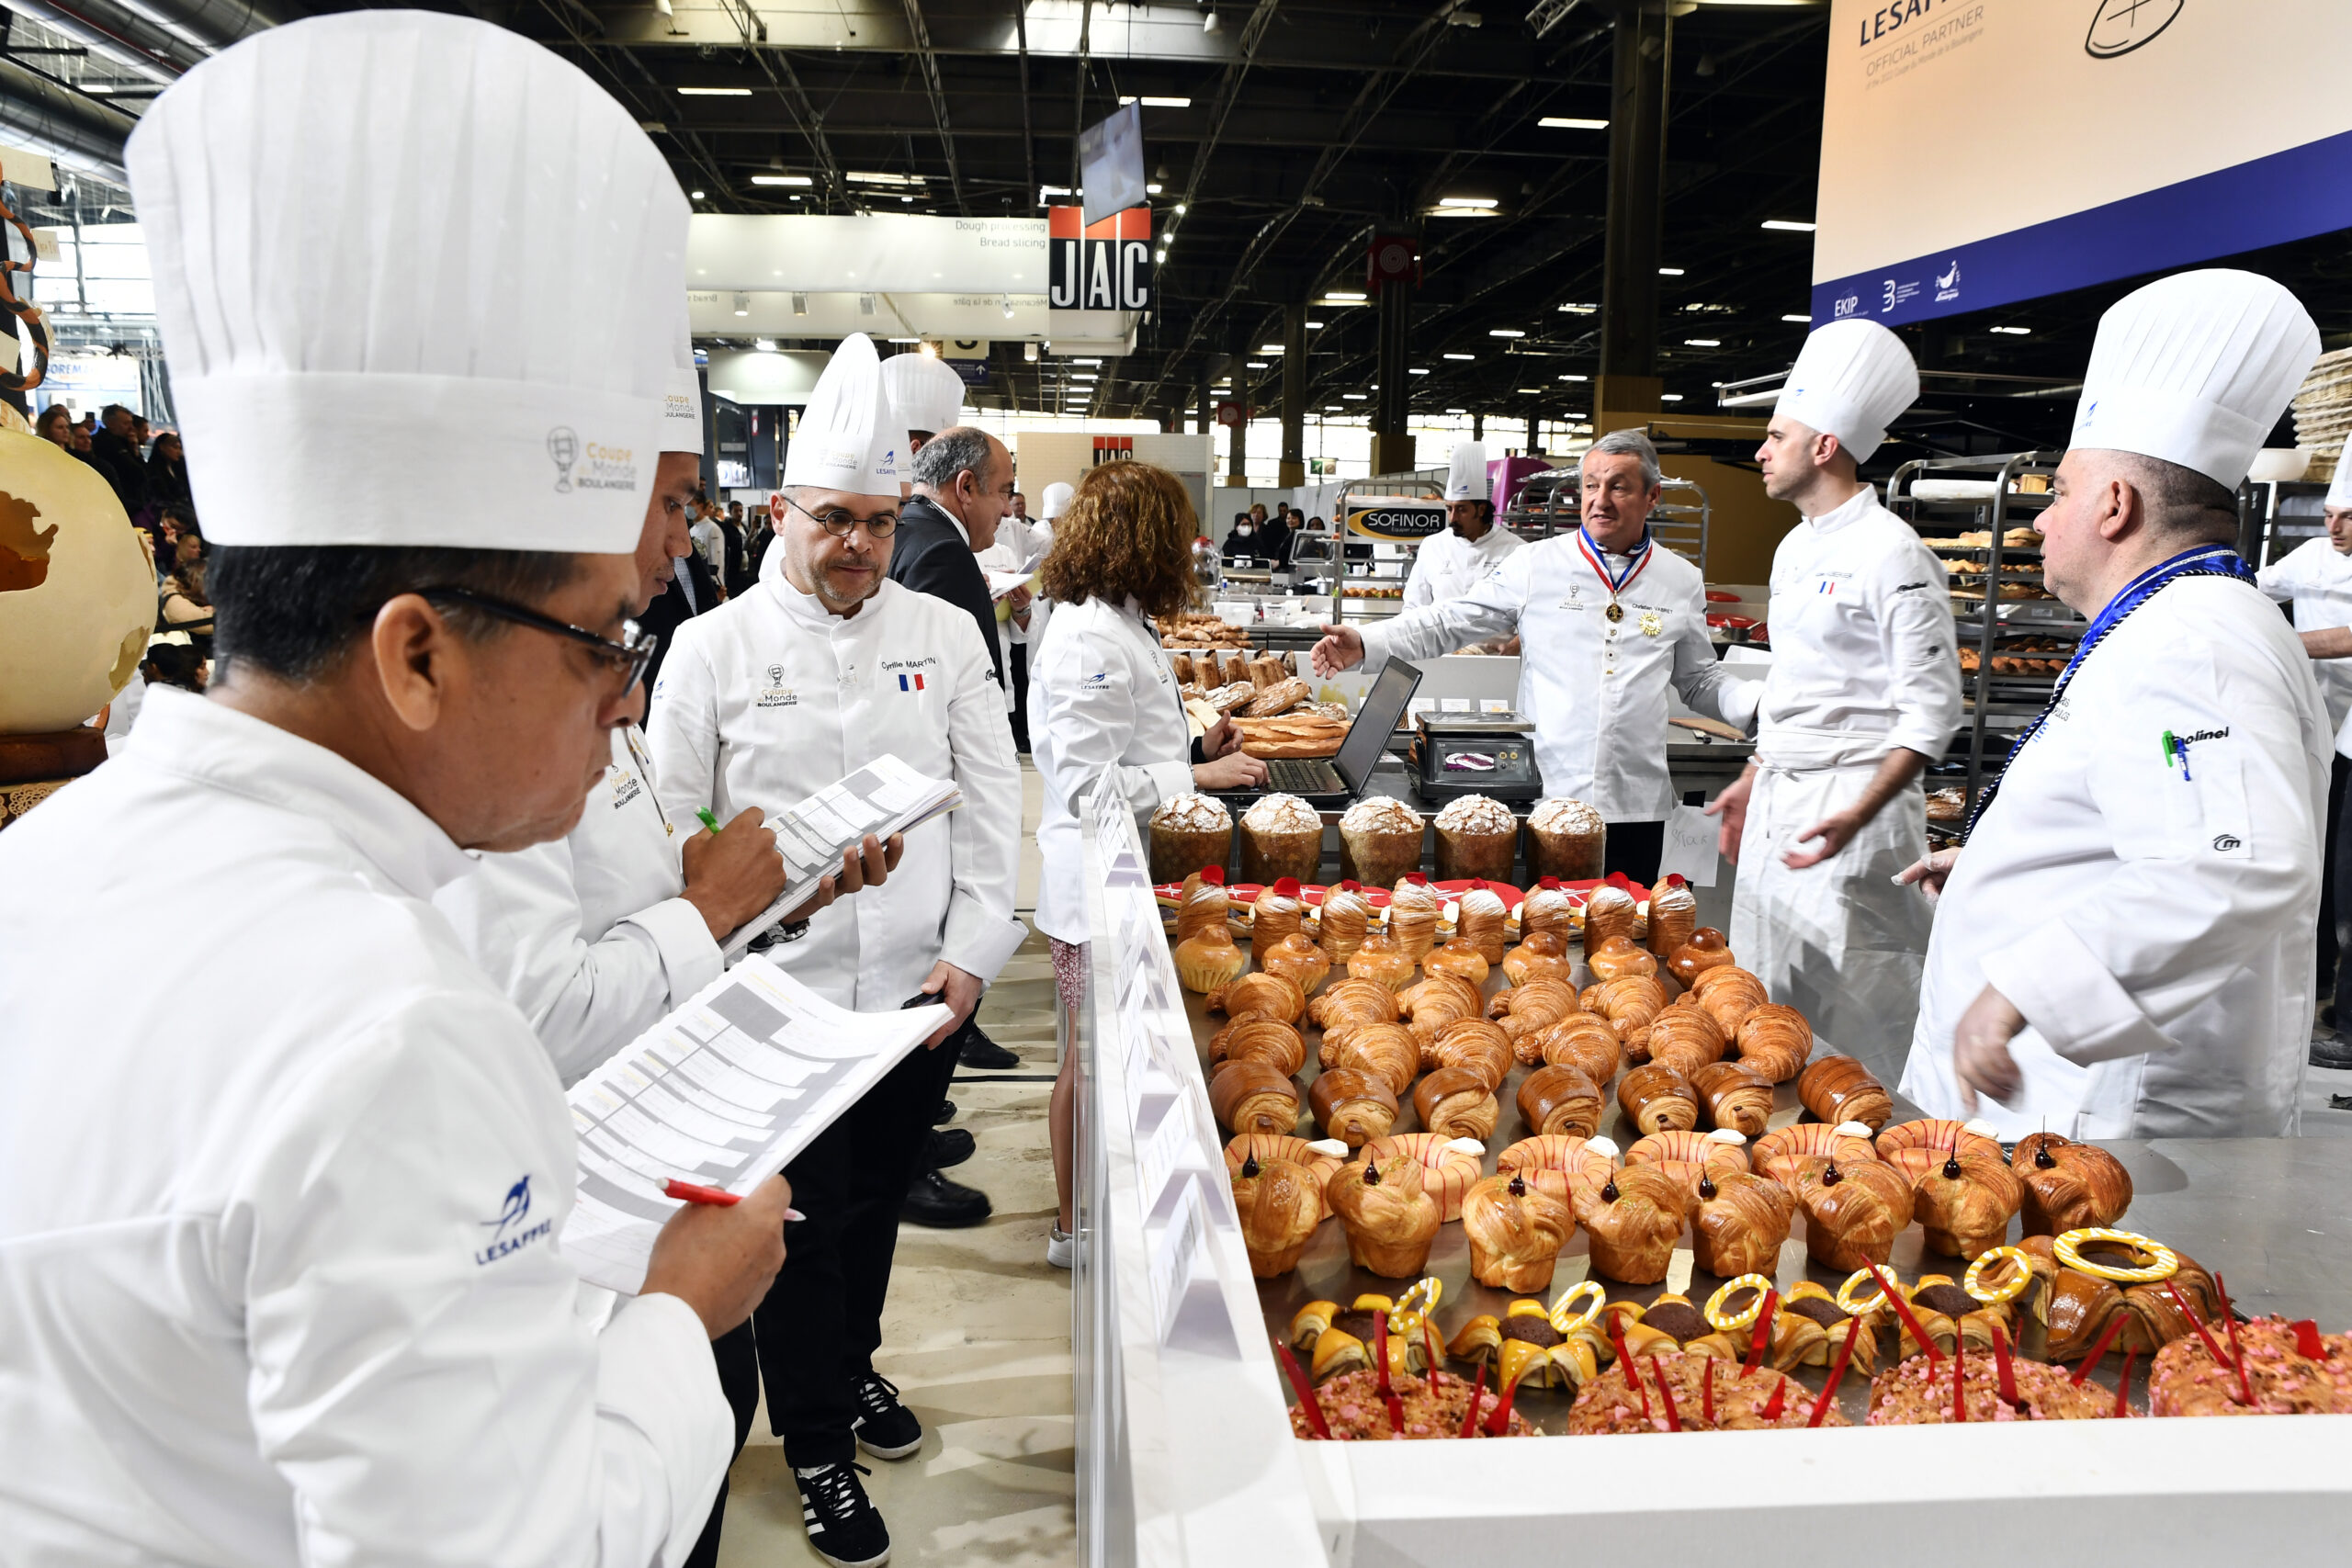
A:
(2079, 1307)
(1337, 1339)
(1725, 1321)
(2014, 1271)
(2157, 1260)
(1528, 1347)
(1948, 1312)
(1671, 1323)
(1810, 1327)
(1566, 1318)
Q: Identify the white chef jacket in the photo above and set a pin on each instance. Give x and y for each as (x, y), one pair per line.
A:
(1102, 708)
(1446, 566)
(770, 698)
(2318, 581)
(280, 1279)
(1595, 688)
(710, 543)
(589, 935)
(2153, 927)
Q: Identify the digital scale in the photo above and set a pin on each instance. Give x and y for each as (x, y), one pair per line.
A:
(1477, 753)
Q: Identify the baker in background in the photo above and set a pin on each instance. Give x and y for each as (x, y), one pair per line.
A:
(2316, 578)
(1610, 619)
(1864, 693)
(926, 393)
(1448, 565)
(2123, 948)
(303, 1298)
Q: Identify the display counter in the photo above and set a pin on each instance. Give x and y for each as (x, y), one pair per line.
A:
(1185, 1452)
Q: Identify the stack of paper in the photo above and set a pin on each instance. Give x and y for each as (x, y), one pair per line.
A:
(886, 797)
(1003, 583)
(722, 1093)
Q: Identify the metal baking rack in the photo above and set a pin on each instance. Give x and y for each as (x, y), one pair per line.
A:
(1389, 565)
(1551, 502)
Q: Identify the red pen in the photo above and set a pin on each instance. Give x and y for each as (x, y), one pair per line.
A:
(687, 1192)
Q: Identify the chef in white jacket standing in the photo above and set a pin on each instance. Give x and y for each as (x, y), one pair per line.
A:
(1608, 619)
(1864, 693)
(777, 695)
(280, 1272)
(2123, 949)
(1472, 547)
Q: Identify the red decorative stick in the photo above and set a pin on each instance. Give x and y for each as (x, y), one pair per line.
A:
(2197, 1323)
(1306, 1400)
(1498, 1418)
(1673, 1417)
(2107, 1337)
(1429, 1348)
(1707, 1392)
(1626, 1359)
(1763, 1337)
(2237, 1351)
(1773, 1406)
(1837, 1376)
(2123, 1389)
(2308, 1342)
(1380, 1354)
(1959, 1379)
(1470, 1419)
(2004, 1367)
(1903, 1310)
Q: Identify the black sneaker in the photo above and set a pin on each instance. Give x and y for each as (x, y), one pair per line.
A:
(948, 1146)
(942, 1204)
(844, 1528)
(2331, 1050)
(888, 1430)
(944, 1114)
(986, 1054)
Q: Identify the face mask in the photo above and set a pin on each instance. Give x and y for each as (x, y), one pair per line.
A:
(1243, 531)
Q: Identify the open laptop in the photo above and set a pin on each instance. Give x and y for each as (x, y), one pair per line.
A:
(1330, 783)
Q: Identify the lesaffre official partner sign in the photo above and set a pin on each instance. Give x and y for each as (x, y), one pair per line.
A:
(1975, 152)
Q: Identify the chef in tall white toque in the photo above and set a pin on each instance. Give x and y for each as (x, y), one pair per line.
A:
(1472, 547)
(1862, 695)
(927, 395)
(2124, 947)
(280, 1204)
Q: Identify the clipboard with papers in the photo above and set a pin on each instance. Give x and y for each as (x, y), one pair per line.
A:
(883, 797)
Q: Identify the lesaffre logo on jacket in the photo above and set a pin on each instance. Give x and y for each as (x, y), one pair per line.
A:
(508, 1233)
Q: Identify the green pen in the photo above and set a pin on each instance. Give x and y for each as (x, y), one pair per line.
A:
(712, 822)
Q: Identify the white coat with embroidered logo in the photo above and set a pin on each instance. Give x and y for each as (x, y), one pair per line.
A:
(1445, 565)
(1104, 711)
(1594, 688)
(2316, 578)
(770, 698)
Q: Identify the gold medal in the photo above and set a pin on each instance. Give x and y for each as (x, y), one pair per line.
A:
(1615, 612)
(1652, 623)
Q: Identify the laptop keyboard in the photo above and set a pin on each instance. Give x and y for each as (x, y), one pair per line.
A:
(1297, 775)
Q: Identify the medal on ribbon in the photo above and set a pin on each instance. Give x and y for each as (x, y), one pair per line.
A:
(1619, 583)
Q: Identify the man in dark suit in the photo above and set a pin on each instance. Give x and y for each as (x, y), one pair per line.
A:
(687, 592)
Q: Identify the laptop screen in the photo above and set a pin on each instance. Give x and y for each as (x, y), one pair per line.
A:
(1383, 704)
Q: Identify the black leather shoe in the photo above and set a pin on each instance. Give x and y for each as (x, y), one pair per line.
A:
(944, 1114)
(986, 1054)
(2331, 1050)
(944, 1206)
(947, 1145)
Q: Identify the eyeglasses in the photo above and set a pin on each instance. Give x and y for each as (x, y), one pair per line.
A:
(839, 522)
(629, 656)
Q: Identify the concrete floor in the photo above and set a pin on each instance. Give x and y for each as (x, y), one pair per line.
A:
(975, 1335)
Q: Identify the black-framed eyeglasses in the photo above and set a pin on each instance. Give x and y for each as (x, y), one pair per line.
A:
(839, 521)
(629, 656)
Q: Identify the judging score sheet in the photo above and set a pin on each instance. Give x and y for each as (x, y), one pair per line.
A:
(722, 1093)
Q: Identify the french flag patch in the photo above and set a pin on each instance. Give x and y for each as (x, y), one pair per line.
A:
(910, 682)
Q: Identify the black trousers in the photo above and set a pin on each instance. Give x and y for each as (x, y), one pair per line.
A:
(1017, 666)
(739, 1379)
(2336, 900)
(821, 1321)
(1633, 848)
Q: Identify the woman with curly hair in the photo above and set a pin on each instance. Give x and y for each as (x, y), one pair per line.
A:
(1104, 711)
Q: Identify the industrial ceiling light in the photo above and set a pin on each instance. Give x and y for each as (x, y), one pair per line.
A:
(1209, 20)
(1565, 122)
(1150, 102)
(1669, 272)
(1702, 343)
(1531, 391)
(714, 92)
(1504, 332)
(1344, 297)
(2015, 331)
(800, 304)
(765, 344)
(742, 304)
(877, 177)
(1669, 397)
(1256, 365)
(1270, 348)
(1572, 376)
(1789, 225)
(1314, 326)
(1086, 362)
(1462, 357)
(1801, 320)
(1417, 370)
(1354, 397)
(1478, 201)
(782, 180)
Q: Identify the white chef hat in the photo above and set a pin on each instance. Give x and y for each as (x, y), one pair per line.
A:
(926, 393)
(2195, 369)
(1466, 476)
(1852, 379)
(681, 393)
(1057, 499)
(849, 438)
(416, 279)
(2339, 489)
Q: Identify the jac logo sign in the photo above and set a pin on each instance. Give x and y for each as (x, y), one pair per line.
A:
(1104, 266)
(2118, 27)
(1114, 449)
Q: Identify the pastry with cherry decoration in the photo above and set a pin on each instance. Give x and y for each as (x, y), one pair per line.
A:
(1706, 949)
(1548, 907)
(1268, 996)
(1351, 1106)
(1390, 1220)
(1687, 1157)
(1781, 1154)
(1516, 1232)
(1740, 1221)
(1632, 1225)
(1387, 1050)
(1254, 1096)
(1479, 918)
(1853, 1213)
(1459, 959)
(1540, 955)
(2068, 1186)
(1318, 1159)
(1449, 1167)
(1839, 1089)
(1280, 1207)
(1297, 959)
(1203, 902)
(1560, 1100)
(1674, 916)
(1413, 910)
(1609, 911)
(1917, 1147)
(1656, 1099)
(1965, 1203)
(1342, 920)
(1456, 1102)
(1733, 1095)
(1278, 911)
(1561, 1162)
(1776, 1041)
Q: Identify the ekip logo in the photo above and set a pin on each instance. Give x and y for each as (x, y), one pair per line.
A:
(1104, 266)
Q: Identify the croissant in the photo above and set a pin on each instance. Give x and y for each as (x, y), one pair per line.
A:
(1780, 1154)
(1438, 1001)
(1732, 1095)
(1548, 908)
(1413, 907)
(1775, 1040)
(1687, 1039)
(1202, 904)
(1208, 959)
(1526, 1012)
(1255, 1037)
(1706, 949)
(1633, 1222)
(1965, 1204)
(1543, 955)
(1280, 1206)
(1379, 958)
(1674, 916)
(1354, 1002)
(1917, 1147)
(1561, 1162)
(1386, 1051)
(1448, 1166)
(1389, 1219)
(1353, 1106)
(1457, 1103)
(1273, 995)
(1560, 1100)
(1853, 1213)
(1691, 1157)
(1254, 1096)
(1839, 1089)
(1656, 1099)
(2077, 1307)
(2069, 1186)
(1315, 1159)
(1584, 1040)
(1460, 958)
(1740, 1223)
(1297, 959)
(1477, 1043)
(1617, 958)
(1729, 993)
(1609, 910)
(1516, 1232)
(1630, 1005)
(1275, 913)
(1346, 915)
(1478, 919)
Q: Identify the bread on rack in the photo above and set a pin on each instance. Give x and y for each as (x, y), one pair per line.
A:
(1380, 840)
(1345, 916)
(2068, 1186)
(1379, 958)
(1632, 1223)
(1260, 1038)
(1353, 1106)
(1278, 698)
(1279, 1207)
(1674, 916)
(1780, 1155)
(1687, 1039)
(1297, 959)
(1566, 839)
(1560, 1101)
(1459, 959)
(1390, 1220)
(1476, 837)
(1689, 1156)
(1254, 1096)
(1965, 1203)
(1609, 910)
(1775, 1040)
(1281, 836)
(1656, 1099)
(1541, 955)
(1477, 1043)
(1917, 1147)
(1732, 1095)
(1730, 994)
(1839, 1089)
(1853, 1213)
(1208, 959)
(1547, 908)
(1479, 918)
(1413, 908)
(1618, 958)
(1707, 949)
(1318, 1159)
(1387, 1050)
(1277, 912)
(1456, 1102)
(1353, 1001)
(1187, 832)
(1271, 996)
(1435, 1002)
(1516, 1232)
(1739, 1223)
(1202, 902)
(1587, 1041)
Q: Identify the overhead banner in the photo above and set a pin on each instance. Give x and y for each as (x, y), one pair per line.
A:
(1099, 267)
(1398, 522)
(908, 253)
(1977, 153)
